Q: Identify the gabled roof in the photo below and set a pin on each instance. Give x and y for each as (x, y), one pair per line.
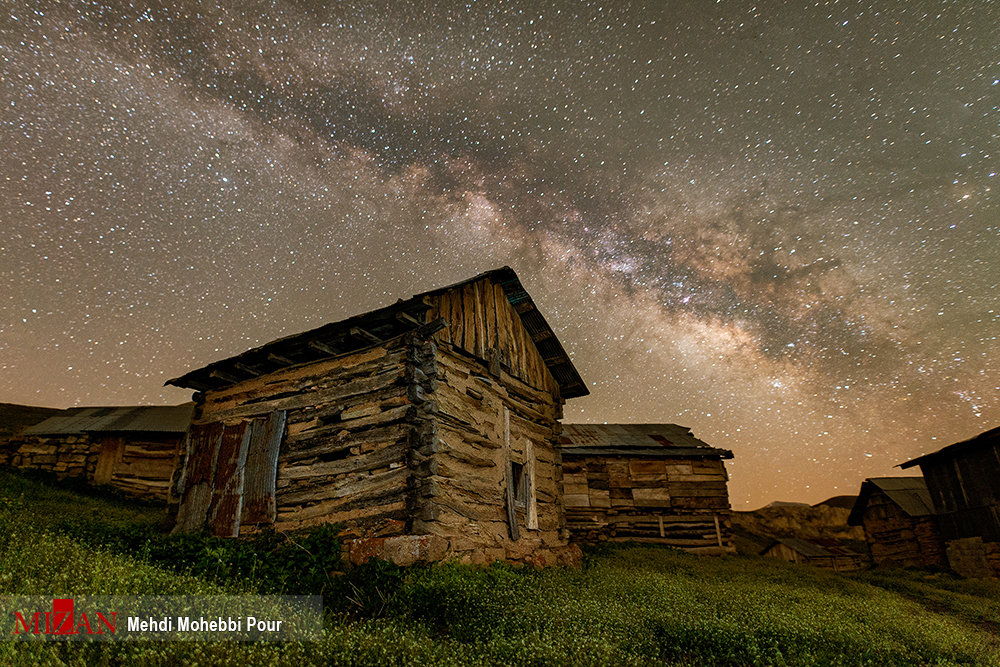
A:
(147, 418)
(910, 493)
(819, 548)
(650, 440)
(987, 438)
(367, 329)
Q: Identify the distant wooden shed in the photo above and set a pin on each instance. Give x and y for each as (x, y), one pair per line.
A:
(652, 483)
(428, 428)
(132, 448)
(964, 484)
(899, 522)
(828, 554)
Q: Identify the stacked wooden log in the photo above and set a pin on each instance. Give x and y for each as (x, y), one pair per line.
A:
(645, 483)
(343, 452)
(676, 502)
(496, 440)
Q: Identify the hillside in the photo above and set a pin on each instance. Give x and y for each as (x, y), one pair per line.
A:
(754, 531)
(627, 606)
(15, 418)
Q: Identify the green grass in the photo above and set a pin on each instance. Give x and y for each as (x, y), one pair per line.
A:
(627, 606)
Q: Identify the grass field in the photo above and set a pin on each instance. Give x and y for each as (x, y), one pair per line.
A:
(626, 606)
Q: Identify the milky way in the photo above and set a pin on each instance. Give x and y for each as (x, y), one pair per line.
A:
(772, 222)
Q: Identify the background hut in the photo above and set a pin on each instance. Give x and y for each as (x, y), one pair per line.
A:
(132, 448)
(964, 484)
(828, 554)
(899, 522)
(427, 427)
(645, 483)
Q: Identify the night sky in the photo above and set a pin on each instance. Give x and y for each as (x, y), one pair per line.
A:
(776, 223)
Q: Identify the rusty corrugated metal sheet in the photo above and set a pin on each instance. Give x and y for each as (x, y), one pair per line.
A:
(149, 418)
(197, 477)
(225, 508)
(259, 503)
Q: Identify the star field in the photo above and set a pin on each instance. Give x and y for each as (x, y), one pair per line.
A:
(773, 222)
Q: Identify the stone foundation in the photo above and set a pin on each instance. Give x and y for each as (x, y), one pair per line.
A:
(68, 456)
(973, 558)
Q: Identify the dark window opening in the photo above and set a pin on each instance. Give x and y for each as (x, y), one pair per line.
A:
(518, 476)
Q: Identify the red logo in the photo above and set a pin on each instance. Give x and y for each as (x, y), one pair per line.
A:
(63, 621)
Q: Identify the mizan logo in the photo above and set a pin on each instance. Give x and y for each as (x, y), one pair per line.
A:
(63, 621)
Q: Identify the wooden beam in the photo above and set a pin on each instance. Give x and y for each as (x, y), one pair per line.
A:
(406, 318)
(511, 512)
(226, 377)
(198, 385)
(323, 347)
(358, 332)
(278, 359)
(253, 371)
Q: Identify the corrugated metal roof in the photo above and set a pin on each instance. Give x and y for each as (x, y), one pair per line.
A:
(818, 548)
(150, 418)
(910, 493)
(634, 439)
(385, 323)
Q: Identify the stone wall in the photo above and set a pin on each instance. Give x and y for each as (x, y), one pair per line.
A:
(66, 456)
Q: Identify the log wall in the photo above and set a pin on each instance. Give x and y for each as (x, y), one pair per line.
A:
(446, 435)
(343, 447)
(492, 484)
(138, 464)
(895, 539)
(679, 502)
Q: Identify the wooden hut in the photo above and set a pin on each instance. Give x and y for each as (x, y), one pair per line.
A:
(828, 554)
(132, 448)
(964, 484)
(652, 483)
(899, 522)
(428, 428)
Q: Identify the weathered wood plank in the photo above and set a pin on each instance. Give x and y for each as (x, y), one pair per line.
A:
(512, 526)
(482, 342)
(393, 453)
(112, 450)
(299, 378)
(377, 493)
(490, 318)
(294, 520)
(457, 319)
(358, 387)
(348, 488)
(531, 509)
(503, 328)
(333, 440)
